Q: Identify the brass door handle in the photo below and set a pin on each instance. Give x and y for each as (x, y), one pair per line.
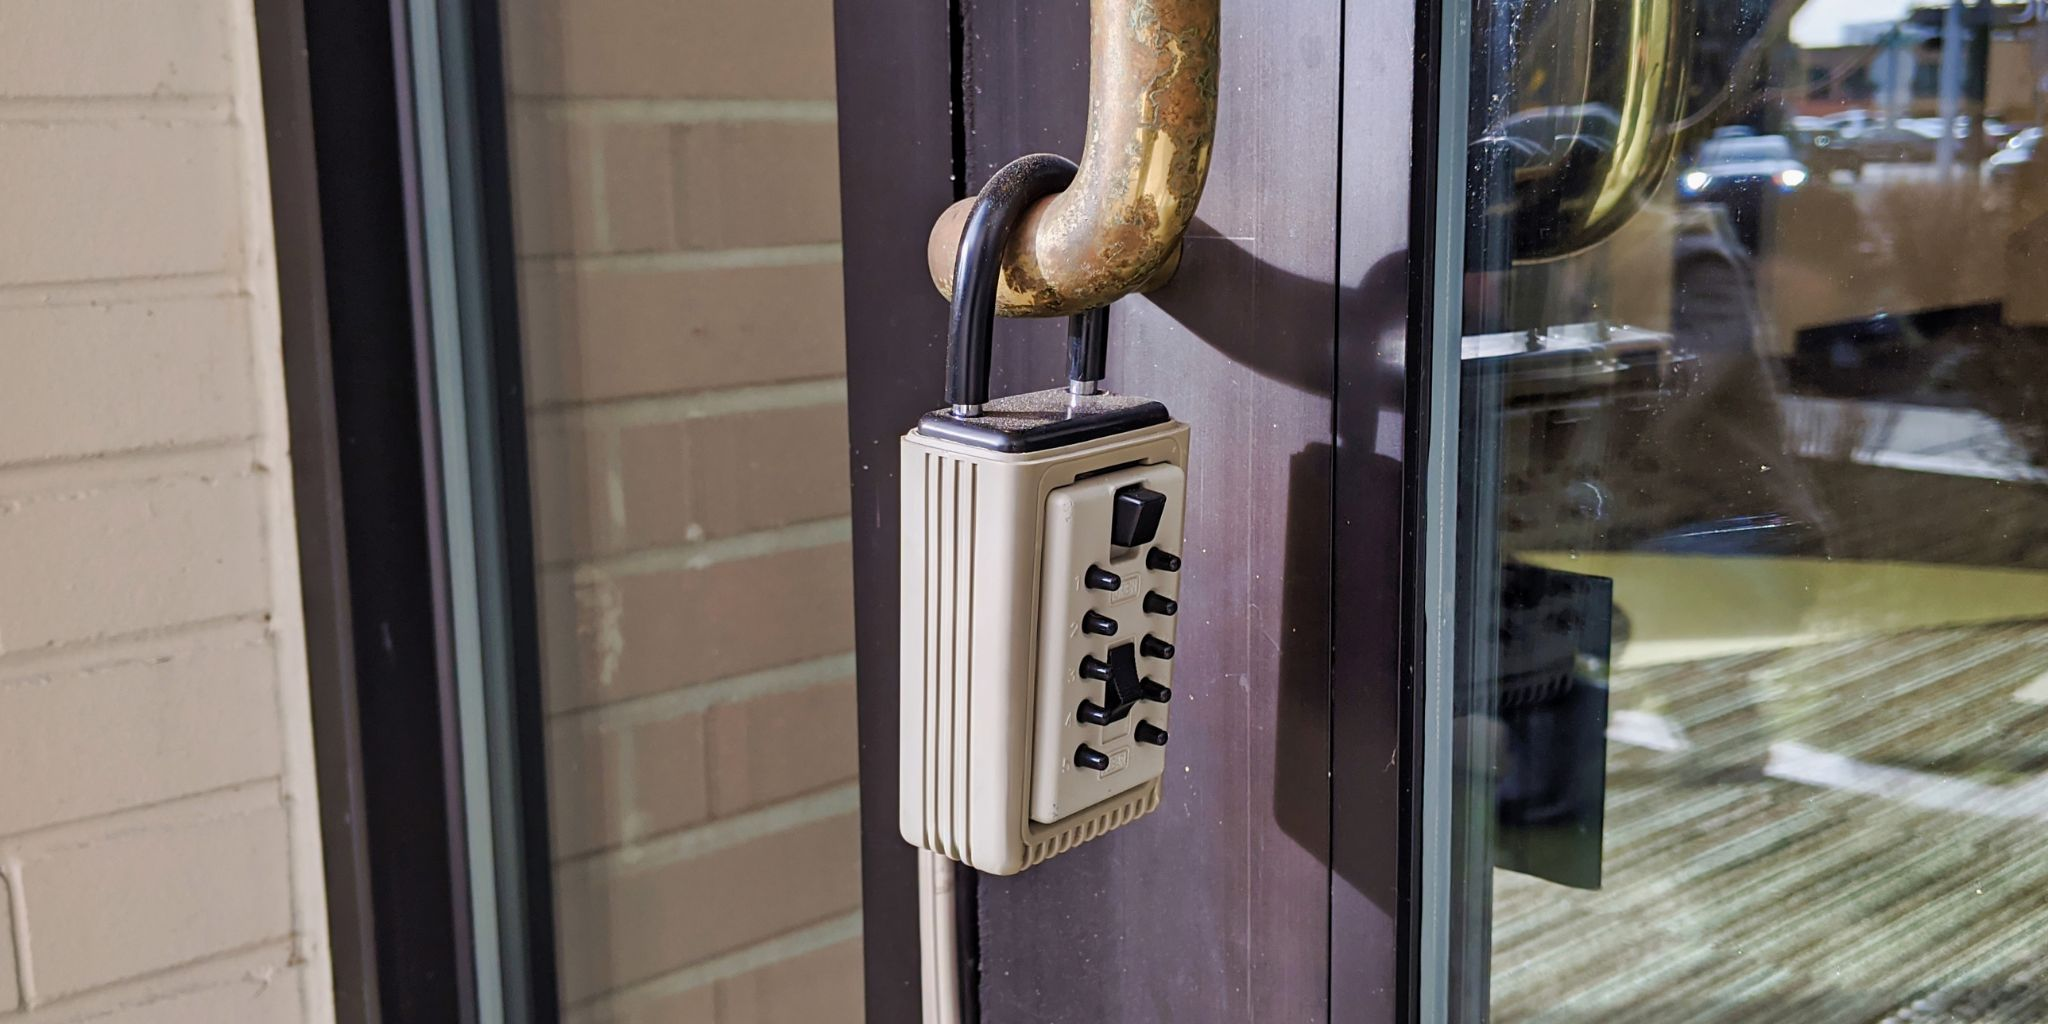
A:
(1151, 122)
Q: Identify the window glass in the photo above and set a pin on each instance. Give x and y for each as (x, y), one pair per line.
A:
(1752, 684)
(676, 184)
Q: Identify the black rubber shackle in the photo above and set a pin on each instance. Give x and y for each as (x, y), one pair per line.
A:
(977, 270)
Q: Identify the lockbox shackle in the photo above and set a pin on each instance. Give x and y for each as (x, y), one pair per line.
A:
(977, 270)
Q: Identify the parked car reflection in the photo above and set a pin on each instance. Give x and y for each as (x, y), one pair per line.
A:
(1894, 144)
(1745, 174)
(1738, 162)
(1825, 150)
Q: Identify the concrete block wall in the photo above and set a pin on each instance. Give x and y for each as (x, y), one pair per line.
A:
(678, 222)
(159, 843)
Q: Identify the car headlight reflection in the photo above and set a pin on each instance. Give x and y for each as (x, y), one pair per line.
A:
(1695, 181)
(1791, 178)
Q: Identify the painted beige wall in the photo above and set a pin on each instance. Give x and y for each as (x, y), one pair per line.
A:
(159, 847)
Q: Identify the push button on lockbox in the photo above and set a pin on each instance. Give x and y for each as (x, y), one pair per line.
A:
(1135, 518)
(1100, 563)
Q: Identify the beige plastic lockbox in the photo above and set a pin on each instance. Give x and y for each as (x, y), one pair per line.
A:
(1041, 580)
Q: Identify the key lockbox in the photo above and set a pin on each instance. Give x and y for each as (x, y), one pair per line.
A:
(1041, 561)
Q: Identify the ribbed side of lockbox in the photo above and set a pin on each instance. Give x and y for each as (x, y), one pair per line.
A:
(945, 648)
(1077, 829)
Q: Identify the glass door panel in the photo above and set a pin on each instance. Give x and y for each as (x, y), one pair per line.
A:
(676, 213)
(1752, 689)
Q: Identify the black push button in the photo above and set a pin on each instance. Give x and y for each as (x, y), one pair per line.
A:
(1089, 757)
(1157, 603)
(1156, 693)
(1093, 667)
(1162, 561)
(1097, 623)
(1136, 519)
(1153, 647)
(1146, 732)
(1098, 578)
(1093, 713)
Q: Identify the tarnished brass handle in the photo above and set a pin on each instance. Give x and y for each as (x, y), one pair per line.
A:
(1151, 122)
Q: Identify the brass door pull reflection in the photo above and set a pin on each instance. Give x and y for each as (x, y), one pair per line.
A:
(1587, 104)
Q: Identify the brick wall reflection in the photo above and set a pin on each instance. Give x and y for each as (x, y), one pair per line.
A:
(678, 225)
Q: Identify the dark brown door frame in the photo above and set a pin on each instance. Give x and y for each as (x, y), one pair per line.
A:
(897, 160)
(367, 526)
(371, 524)
(1276, 880)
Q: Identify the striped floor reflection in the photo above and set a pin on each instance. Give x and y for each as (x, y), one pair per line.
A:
(1844, 833)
